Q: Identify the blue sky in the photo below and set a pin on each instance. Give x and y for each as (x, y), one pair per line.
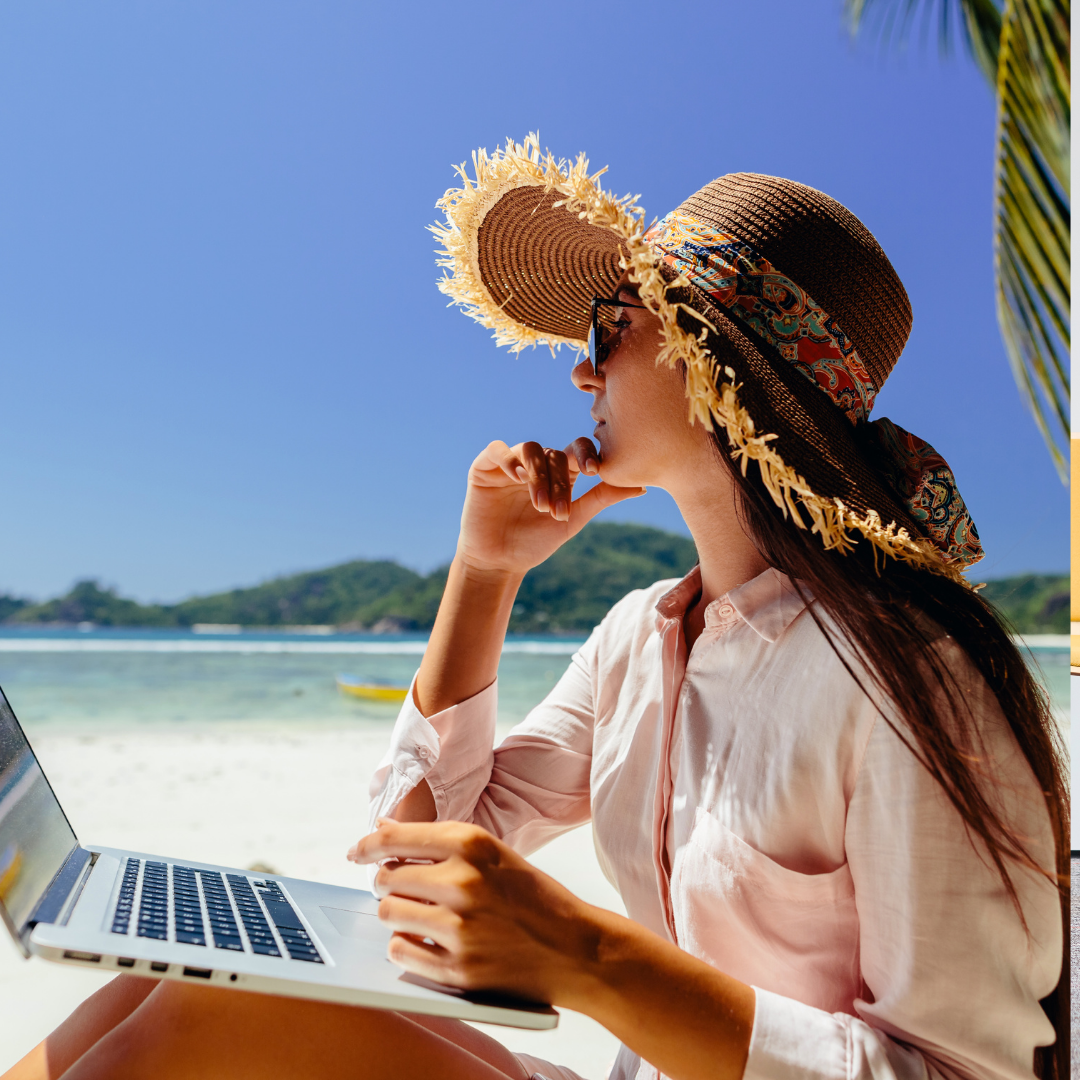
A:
(223, 353)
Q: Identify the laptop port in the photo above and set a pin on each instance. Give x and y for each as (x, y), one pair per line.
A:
(89, 957)
(198, 973)
(125, 961)
(157, 965)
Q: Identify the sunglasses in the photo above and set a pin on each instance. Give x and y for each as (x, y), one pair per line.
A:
(597, 346)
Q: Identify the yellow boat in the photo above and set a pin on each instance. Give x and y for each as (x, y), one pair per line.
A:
(10, 866)
(373, 690)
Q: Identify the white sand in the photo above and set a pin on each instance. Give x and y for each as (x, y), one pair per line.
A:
(235, 795)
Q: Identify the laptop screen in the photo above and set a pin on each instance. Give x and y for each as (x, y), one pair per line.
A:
(35, 837)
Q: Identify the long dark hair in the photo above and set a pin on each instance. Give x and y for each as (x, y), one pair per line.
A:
(889, 616)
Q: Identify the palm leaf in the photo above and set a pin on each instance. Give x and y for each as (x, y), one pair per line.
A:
(1031, 210)
(979, 23)
(1023, 51)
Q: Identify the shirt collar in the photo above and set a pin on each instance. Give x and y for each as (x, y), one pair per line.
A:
(768, 603)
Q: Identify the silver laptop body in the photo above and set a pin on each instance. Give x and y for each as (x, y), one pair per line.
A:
(166, 918)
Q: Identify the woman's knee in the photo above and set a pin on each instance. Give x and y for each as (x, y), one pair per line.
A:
(177, 1008)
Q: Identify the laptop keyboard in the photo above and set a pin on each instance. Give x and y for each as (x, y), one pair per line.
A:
(169, 902)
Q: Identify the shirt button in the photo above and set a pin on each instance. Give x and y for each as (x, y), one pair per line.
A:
(423, 752)
(726, 609)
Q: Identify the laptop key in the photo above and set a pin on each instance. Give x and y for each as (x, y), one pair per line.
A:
(283, 915)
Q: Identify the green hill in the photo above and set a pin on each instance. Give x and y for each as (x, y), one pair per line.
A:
(572, 591)
(88, 602)
(11, 605)
(1033, 603)
(335, 596)
(569, 593)
(341, 594)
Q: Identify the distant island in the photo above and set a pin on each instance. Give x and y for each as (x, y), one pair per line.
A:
(570, 593)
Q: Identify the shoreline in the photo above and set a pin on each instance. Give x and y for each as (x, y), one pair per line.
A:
(62, 637)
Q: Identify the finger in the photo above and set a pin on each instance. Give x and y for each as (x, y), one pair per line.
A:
(492, 453)
(351, 853)
(559, 485)
(435, 841)
(421, 957)
(584, 509)
(511, 463)
(489, 460)
(388, 864)
(422, 920)
(586, 455)
(535, 462)
(443, 883)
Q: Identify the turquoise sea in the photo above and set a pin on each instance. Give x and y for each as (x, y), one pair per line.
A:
(108, 679)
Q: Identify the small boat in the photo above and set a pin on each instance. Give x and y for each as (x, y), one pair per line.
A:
(371, 689)
(10, 865)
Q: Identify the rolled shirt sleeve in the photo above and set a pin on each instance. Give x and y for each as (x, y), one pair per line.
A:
(452, 750)
(529, 789)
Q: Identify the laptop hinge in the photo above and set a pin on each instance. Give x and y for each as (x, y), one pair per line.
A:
(59, 898)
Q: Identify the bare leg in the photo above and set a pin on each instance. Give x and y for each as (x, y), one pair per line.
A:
(95, 1017)
(202, 1033)
(468, 1038)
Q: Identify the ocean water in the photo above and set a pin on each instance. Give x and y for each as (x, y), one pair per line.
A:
(105, 680)
(109, 680)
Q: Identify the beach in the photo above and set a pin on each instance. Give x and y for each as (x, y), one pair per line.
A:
(241, 758)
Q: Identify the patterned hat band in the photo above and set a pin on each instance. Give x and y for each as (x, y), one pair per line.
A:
(771, 308)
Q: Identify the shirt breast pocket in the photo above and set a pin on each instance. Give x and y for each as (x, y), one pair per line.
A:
(790, 933)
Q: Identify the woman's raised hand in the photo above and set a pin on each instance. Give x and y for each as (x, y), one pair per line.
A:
(519, 506)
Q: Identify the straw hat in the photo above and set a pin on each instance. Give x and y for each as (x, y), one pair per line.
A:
(779, 301)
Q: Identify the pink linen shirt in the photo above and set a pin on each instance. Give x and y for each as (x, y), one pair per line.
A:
(750, 803)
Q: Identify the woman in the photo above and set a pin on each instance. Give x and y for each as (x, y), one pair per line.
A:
(817, 769)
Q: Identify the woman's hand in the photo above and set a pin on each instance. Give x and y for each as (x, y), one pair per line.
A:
(476, 915)
(519, 504)
(518, 510)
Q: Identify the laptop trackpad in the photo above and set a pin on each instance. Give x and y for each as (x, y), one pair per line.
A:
(355, 924)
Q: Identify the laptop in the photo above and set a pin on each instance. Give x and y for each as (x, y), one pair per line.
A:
(115, 910)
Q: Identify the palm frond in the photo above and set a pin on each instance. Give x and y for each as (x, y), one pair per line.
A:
(1032, 213)
(1023, 50)
(977, 21)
